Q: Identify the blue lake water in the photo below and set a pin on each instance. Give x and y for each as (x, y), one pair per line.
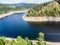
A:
(14, 25)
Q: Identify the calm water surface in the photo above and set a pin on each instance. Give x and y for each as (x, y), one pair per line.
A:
(14, 25)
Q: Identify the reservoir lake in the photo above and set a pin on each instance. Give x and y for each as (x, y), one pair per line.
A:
(14, 25)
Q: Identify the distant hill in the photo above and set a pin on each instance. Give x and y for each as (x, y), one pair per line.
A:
(5, 8)
(25, 5)
(17, 4)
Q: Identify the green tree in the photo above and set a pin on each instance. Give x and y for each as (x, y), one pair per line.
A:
(28, 41)
(41, 40)
(21, 41)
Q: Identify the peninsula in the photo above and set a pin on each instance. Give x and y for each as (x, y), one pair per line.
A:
(46, 12)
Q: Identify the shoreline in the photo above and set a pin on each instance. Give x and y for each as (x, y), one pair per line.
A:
(7, 14)
(41, 19)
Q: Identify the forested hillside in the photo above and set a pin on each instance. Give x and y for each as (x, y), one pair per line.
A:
(7, 8)
(51, 8)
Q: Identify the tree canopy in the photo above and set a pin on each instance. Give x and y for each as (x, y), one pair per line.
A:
(51, 8)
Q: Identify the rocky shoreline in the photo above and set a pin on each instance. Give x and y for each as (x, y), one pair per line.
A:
(41, 19)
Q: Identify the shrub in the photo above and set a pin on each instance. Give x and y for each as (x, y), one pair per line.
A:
(20, 41)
